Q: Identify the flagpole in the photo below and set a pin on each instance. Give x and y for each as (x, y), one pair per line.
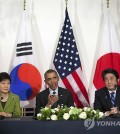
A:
(24, 4)
(107, 3)
(66, 2)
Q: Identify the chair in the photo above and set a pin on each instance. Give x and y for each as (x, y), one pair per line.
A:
(28, 112)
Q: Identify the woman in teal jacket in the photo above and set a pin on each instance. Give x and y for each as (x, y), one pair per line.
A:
(9, 102)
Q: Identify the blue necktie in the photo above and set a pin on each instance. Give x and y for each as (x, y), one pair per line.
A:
(112, 96)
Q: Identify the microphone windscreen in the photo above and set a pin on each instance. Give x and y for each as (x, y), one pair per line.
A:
(54, 92)
(1, 98)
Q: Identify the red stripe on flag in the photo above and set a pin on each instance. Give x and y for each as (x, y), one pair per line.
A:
(80, 85)
(68, 86)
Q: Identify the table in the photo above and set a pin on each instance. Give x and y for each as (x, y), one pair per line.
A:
(27, 125)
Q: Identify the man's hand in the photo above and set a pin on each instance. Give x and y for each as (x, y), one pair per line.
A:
(114, 110)
(52, 99)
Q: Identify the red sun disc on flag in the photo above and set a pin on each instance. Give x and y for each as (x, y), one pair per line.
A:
(110, 60)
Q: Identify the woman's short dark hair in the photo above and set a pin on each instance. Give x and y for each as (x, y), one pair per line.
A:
(110, 70)
(4, 76)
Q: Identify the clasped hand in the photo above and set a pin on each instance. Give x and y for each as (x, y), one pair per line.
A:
(52, 99)
(5, 114)
(114, 110)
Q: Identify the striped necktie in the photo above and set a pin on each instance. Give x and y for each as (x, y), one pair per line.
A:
(112, 96)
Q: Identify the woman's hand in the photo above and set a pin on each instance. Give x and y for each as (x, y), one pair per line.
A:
(5, 114)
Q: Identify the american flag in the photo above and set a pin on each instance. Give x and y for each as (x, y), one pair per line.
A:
(68, 65)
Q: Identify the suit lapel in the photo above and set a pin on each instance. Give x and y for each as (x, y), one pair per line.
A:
(9, 101)
(108, 100)
(60, 94)
(117, 98)
(45, 97)
(47, 92)
(1, 107)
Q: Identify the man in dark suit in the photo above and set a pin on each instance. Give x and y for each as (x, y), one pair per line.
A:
(107, 99)
(54, 95)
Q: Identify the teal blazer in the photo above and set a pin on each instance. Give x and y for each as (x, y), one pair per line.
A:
(12, 106)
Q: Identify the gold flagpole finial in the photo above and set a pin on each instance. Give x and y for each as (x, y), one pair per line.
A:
(24, 4)
(66, 2)
(107, 3)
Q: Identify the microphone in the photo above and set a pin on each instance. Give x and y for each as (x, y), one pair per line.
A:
(105, 97)
(13, 97)
(54, 93)
(1, 98)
